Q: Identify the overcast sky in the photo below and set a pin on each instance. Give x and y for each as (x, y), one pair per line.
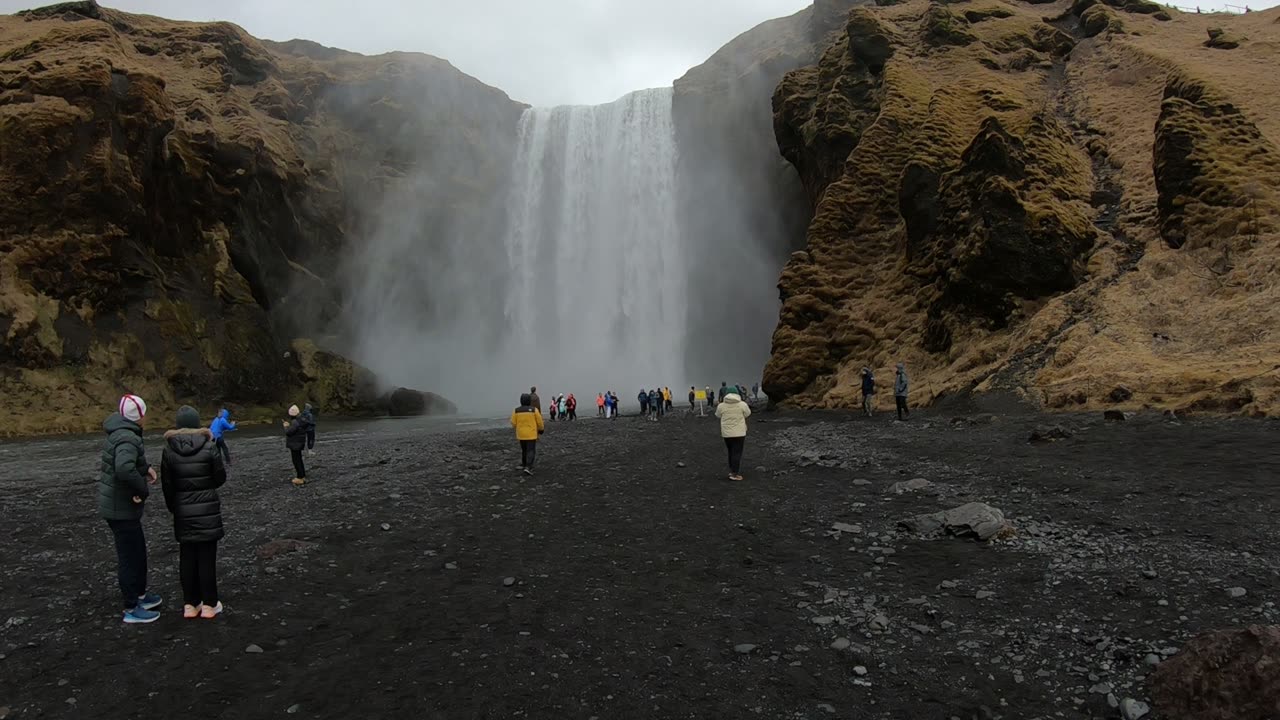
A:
(544, 52)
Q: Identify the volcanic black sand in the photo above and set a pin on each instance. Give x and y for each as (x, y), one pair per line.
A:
(646, 585)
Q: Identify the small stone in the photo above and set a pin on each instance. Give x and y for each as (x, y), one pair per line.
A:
(1151, 660)
(840, 644)
(680, 464)
(744, 648)
(859, 670)
(451, 566)
(984, 594)
(846, 528)
(922, 629)
(1150, 574)
(293, 709)
(509, 581)
(948, 584)
(386, 527)
(860, 482)
(880, 622)
(826, 707)
(253, 649)
(4, 712)
(1162, 603)
(393, 496)
(1100, 689)
(824, 620)
(1133, 709)
(1237, 592)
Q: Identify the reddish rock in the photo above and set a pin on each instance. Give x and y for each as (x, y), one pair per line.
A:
(1222, 675)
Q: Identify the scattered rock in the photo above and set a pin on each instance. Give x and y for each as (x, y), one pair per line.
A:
(1151, 660)
(1237, 592)
(911, 485)
(451, 566)
(948, 584)
(840, 644)
(386, 527)
(293, 709)
(744, 648)
(879, 622)
(860, 482)
(973, 519)
(1150, 574)
(1047, 435)
(509, 581)
(1114, 416)
(254, 650)
(1133, 709)
(846, 528)
(1120, 394)
(1222, 675)
(1100, 689)
(859, 670)
(984, 594)
(680, 464)
(827, 707)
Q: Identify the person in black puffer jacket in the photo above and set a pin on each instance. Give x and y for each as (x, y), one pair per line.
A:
(296, 431)
(191, 471)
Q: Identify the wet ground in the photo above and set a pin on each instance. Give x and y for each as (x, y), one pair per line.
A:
(422, 576)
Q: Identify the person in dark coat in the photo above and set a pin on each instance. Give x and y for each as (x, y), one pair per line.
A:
(309, 417)
(122, 492)
(295, 438)
(191, 471)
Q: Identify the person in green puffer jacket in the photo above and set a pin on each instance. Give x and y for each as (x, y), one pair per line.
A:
(122, 493)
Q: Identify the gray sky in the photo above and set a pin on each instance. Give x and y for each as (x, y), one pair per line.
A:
(544, 52)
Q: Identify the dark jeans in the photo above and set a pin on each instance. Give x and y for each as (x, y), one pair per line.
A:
(903, 412)
(735, 446)
(528, 453)
(222, 448)
(298, 467)
(131, 559)
(311, 439)
(197, 564)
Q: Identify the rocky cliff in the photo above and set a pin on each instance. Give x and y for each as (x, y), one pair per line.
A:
(1071, 201)
(177, 200)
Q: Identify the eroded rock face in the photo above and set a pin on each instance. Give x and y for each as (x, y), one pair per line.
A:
(1222, 675)
(176, 198)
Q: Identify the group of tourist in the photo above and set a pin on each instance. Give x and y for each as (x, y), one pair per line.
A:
(900, 384)
(193, 465)
(563, 408)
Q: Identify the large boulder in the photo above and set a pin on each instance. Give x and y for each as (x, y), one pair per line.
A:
(404, 402)
(975, 519)
(1222, 675)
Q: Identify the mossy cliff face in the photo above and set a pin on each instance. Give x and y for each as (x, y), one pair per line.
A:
(175, 200)
(1072, 202)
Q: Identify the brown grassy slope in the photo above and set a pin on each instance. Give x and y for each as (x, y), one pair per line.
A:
(1011, 196)
(174, 197)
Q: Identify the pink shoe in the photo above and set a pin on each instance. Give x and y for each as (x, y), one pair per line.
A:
(191, 611)
(209, 612)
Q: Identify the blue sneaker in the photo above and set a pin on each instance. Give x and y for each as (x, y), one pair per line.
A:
(150, 601)
(140, 615)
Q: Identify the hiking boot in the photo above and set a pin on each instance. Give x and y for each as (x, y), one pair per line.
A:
(149, 601)
(140, 615)
(209, 612)
(299, 482)
(528, 471)
(191, 611)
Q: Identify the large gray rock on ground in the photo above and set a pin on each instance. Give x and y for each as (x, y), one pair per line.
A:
(974, 519)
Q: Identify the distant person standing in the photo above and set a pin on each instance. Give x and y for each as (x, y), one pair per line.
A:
(693, 398)
(711, 397)
(900, 385)
(868, 390)
(668, 399)
(615, 403)
(220, 426)
(572, 404)
(122, 492)
(643, 397)
(191, 471)
(535, 401)
(309, 417)
(733, 414)
(755, 391)
(655, 404)
(295, 438)
(528, 424)
(724, 390)
(600, 405)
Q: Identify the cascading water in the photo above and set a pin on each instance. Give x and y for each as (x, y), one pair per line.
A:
(596, 284)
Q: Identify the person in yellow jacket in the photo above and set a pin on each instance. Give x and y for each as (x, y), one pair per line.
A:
(527, 421)
(733, 414)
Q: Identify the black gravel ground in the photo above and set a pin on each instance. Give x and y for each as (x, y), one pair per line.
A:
(631, 579)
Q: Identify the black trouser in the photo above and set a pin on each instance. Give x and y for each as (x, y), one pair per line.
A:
(311, 439)
(222, 448)
(197, 563)
(528, 453)
(131, 559)
(735, 446)
(903, 412)
(299, 469)
(573, 414)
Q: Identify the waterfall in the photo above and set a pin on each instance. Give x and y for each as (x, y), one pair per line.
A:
(595, 282)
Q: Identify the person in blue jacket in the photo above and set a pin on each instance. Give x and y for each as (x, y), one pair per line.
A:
(219, 427)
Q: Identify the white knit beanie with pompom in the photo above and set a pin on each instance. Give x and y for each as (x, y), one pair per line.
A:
(133, 408)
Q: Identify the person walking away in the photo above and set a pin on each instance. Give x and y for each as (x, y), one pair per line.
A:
(528, 424)
(573, 407)
(724, 390)
(643, 397)
(654, 407)
(693, 399)
(733, 414)
(534, 400)
(868, 390)
(667, 399)
(220, 426)
(900, 384)
(755, 391)
(122, 494)
(600, 405)
(295, 438)
(309, 417)
(191, 471)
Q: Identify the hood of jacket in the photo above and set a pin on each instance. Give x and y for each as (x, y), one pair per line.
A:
(187, 442)
(732, 398)
(224, 414)
(117, 422)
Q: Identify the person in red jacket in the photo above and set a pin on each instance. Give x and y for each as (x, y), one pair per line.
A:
(572, 406)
